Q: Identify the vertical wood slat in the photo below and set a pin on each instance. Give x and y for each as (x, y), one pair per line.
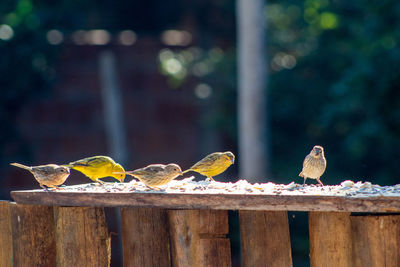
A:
(6, 251)
(145, 237)
(82, 237)
(376, 240)
(198, 238)
(330, 239)
(265, 238)
(33, 235)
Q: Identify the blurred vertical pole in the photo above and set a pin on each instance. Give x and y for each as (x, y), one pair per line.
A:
(113, 119)
(113, 108)
(252, 104)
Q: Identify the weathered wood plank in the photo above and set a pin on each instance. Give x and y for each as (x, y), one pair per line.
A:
(145, 237)
(330, 239)
(82, 237)
(198, 238)
(376, 240)
(265, 238)
(33, 235)
(6, 250)
(211, 201)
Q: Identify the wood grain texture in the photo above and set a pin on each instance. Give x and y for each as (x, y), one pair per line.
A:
(33, 235)
(6, 250)
(330, 239)
(198, 238)
(145, 237)
(210, 201)
(82, 237)
(376, 240)
(265, 238)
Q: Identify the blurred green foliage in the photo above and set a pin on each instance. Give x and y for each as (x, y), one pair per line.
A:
(341, 93)
(26, 70)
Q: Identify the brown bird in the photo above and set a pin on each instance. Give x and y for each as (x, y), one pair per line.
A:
(314, 165)
(155, 175)
(50, 175)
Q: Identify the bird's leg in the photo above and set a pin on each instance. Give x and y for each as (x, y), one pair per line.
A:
(209, 179)
(304, 183)
(99, 181)
(154, 188)
(319, 181)
(45, 188)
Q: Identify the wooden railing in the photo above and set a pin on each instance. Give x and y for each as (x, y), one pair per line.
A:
(172, 229)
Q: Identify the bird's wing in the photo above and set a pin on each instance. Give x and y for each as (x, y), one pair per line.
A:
(207, 161)
(306, 159)
(155, 168)
(90, 161)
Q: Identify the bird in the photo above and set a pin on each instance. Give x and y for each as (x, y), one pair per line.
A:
(155, 175)
(97, 167)
(213, 164)
(314, 165)
(50, 175)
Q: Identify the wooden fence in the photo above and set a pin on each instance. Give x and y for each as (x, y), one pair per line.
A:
(158, 229)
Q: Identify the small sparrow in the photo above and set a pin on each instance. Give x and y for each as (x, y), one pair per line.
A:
(50, 175)
(314, 165)
(98, 167)
(155, 175)
(213, 164)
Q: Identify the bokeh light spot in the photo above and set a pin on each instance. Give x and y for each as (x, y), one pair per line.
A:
(328, 21)
(172, 66)
(127, 37)
(203, 91)
(98, 37)
(176, 38)
(79, 37)
(6, 32)
(54, 37)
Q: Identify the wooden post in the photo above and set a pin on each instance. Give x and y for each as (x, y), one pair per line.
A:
(265, 238)
(198, 238)
(82, 237)
(6, 252)
(330, 239)
(376, 240)
(145, 237)
(33, 235)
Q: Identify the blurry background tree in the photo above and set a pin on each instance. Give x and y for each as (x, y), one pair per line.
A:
(332, 72)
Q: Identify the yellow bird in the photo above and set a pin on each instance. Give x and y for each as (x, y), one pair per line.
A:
(155, 175)
(50, 175)
(98, 167)
(314, 165)
(213, 164)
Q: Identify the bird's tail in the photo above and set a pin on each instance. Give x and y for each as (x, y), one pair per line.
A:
(127, 172)
(21, 166)
(67, 166)
(188, 170)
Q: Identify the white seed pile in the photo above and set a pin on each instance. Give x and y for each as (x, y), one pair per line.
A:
(188, 186)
